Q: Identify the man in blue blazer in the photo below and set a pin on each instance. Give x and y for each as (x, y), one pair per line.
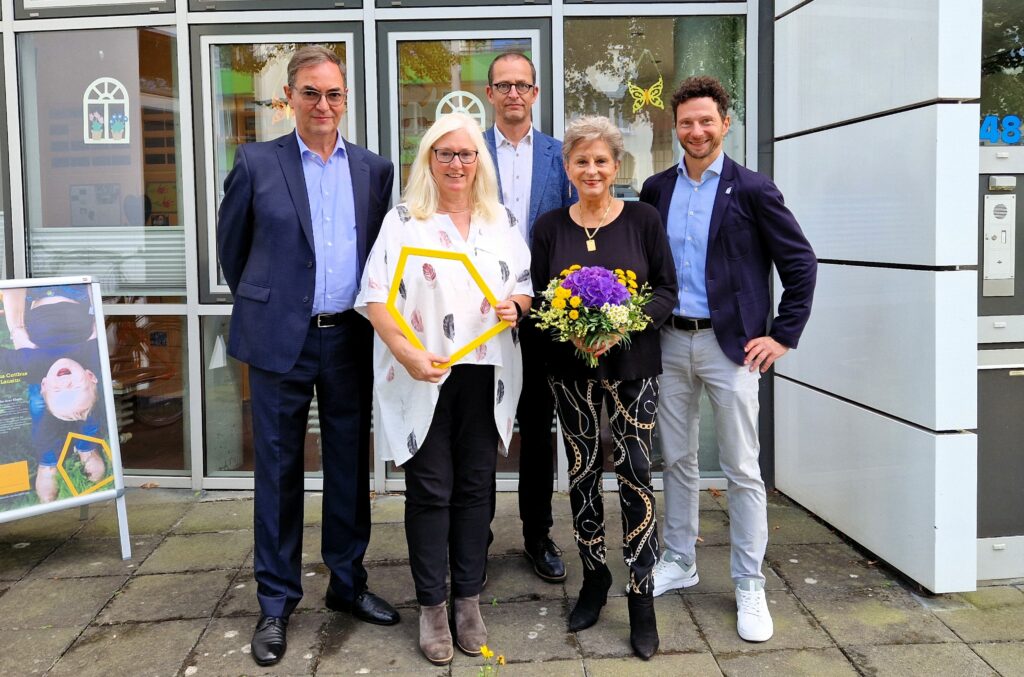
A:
(727, 226)
(298, 218)
(531, 181)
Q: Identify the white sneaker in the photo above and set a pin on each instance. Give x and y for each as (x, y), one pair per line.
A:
(670, 574)
(753, 621)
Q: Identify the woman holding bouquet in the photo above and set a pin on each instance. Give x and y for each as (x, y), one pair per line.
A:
(605, 252)
(446, 424)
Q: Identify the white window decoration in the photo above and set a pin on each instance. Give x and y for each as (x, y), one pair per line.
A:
(463, 102)
(105, 112)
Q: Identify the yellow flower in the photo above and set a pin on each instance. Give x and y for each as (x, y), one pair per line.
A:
(618, 271)
(564, 273)
(574, 314)
(632, 284)
(486, 652)
(575, 301)
(630, 274)
(632, 291)
(501, 659)
(558, 302)
(575, 266)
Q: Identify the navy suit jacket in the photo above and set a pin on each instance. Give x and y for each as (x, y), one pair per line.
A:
(265, 244)
(549, 187)
(751, 229)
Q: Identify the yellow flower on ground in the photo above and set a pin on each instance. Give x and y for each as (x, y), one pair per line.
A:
(501, 659)
(574, 314)
(630, 274)
(558, 302)
(486, 652)
(575, 301)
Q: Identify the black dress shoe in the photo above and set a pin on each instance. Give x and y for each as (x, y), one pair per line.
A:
(546, 558)
(269, 641)
(367, 607)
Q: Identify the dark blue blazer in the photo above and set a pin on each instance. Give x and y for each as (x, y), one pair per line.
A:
(265, 244)
(549, 187)
(751, 229)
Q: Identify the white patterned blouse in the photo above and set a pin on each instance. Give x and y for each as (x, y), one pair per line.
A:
(446, 309)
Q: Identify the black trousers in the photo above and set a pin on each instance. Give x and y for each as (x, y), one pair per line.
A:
(449, 488)
(632, 408)
(535, 413)
(336, 360)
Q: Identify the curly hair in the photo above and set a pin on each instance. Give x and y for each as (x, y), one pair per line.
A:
(700, 86)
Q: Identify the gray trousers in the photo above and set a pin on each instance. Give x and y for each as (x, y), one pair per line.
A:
(692, 361)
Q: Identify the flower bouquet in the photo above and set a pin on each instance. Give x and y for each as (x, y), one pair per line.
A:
(593, 305)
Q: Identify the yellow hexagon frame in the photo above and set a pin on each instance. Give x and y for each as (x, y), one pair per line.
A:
(473, 272)
(64, 473)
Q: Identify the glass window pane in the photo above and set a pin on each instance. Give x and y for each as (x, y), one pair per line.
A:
(444, 76)
(102, 182)
(1002, 61)
(150, 375)
(249, 105)
(627, 69)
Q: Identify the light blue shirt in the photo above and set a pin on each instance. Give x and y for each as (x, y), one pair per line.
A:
(333, 216)
(689, 220)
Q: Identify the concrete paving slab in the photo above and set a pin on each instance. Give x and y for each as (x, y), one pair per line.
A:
(198, 552)
(527, 632)
(394, 583)
(388, 509)
(872, 616)
(998, 624)
(51, 526)
(512, 579)
(139, 649)
(713, 571)
(216, 516)
(32, 652)
(312, 509)
(224, 649)
(64, 603)
(795, 525)
(135, 496)
(144, 519)
(794, 627)
(84, 557)
(788, 663)
(387, 544)
(834, 566)
(161, 597)
(925, 660)
(610, 636)
(1006, 657)
(713, 528)
(996, 597)
(661, 665)
(21, 557)
(775, 498)
(352, 647)
(546, 669)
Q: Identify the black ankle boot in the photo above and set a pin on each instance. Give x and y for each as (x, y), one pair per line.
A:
(643, 626)
(593, 596)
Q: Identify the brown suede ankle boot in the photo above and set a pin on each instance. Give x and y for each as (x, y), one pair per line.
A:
(435, 635)
(470, 633)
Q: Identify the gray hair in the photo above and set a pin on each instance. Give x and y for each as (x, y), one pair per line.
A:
(593, 128)
(312, 55)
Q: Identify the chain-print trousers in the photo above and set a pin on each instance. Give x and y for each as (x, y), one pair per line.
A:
(632, 408)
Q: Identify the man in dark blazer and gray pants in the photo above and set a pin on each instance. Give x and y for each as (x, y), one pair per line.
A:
(727, 226)
(298, 218)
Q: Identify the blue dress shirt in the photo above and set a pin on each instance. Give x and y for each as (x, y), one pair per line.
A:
(333, 215)
(689, 220)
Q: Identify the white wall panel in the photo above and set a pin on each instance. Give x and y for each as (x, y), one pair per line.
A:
(861, 197)
(900, 341)
(906, 494)
(838, 60)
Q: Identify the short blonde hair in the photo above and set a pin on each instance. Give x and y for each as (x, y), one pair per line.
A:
(421, 193)
(593, 128)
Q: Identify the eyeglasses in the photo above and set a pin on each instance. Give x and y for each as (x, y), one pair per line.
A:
(312, 97)
(522, 87)
(445, 156)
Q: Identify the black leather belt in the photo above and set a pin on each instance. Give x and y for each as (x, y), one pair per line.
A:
(691, 323)
(325, 320)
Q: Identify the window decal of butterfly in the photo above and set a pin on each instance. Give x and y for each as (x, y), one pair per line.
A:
(651, 95)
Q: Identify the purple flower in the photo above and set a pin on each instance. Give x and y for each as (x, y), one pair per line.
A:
(596, 286)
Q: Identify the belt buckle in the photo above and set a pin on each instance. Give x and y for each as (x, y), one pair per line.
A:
(320, 321)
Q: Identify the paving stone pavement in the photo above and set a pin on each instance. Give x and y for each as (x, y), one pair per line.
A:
(185, 604)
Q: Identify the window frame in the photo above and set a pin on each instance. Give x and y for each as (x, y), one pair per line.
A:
(81, 8)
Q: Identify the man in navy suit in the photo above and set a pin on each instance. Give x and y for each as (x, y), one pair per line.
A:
(727, 225)
(298, 218)
(531, 181)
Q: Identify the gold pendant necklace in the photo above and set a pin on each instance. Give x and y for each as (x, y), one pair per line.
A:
(591, 245)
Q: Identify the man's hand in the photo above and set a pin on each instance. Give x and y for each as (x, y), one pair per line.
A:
(762, 352)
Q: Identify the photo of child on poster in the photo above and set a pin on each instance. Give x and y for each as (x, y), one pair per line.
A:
(52, 414)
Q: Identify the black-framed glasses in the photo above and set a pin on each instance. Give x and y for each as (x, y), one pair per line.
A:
(523, 88)
(311, 97)
(445, 156)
